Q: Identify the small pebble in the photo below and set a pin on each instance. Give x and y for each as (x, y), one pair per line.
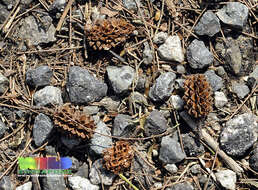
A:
(90, 110)
(220, 99)
(4, 84)
(160, 38)
(122, 125)
(215, 81)
(177, 102)
(240, 89)
(172, 168)
(227, 179)
(49, 95)
(80, 183)
(41, 76)
(180, 69)
(3, 129)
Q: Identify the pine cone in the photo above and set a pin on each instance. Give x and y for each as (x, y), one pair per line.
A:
(119, 157)
(108, 33)
(73, 121)
(197, 95)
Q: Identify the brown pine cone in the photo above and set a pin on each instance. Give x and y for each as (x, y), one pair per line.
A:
(74, 121)
(108, 33)
(197, 95)
(119, 157)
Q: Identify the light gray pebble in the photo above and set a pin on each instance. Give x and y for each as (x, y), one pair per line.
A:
(215, 81)
(49, 95)
(254, 74)
(233, 56)
(220, 71)
(4, 83)
(180, 69)
(25, 186)
(160, 38)
(79, 183)
(38, 77)
(220, 99)
(6, 183)
(109, 104)
(227, 179)
(240, 89)
(181, 186)
(130, 4)
(155, 123)
(172, 168)
(90, 110)
(177, 102)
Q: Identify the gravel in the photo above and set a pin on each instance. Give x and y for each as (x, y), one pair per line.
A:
(170, 151)
(172, 168)
(234, 14)
(83, 87)
(25, 186)
(181, 186)
(198, 55)
(208, 25)
(48, 183)
(227, 179)
(90, 110)
(239, 134)
(42, 128)
(192, 147)
(4, 83)
(240, 89)
(120, 78)
(147, 54)
(215, 81)
(109, 104)
(79, 183)
(253, 160)
(171, 50)
(163, 87)
(122, 125)
(160, 38)
(3, 129)
(177, 102)
(49, 95)
(220, 99)
(233, 57)
(39, 77)
(6, 183)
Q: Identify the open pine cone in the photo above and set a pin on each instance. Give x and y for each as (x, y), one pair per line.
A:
(108, 33)
(197, 95)
(74, 121)
(119, 157)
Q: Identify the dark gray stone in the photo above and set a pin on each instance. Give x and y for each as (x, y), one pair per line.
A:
(122, 125)
(155, 123)
(99, 174)
(208, 25)
(83, 88)
(198, 55)
(99, 142)
(239, 134)
(170, 151)
(140, 86)
(41, 76)
(203, 179)
(53, 183)
(181, 186)
(49, 95)
(240, 89)
(253, 160)
(3, 13)
(177, 102)
(120, 78)
(163, 87)
(215, 81)
(6, 183)
(70, 142)
(42, 128)
(4, 83)
(36, 32)
(192, 147)
(3, 129)
(234, 14)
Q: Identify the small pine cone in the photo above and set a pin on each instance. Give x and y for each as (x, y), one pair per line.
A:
(108, 33)
(197, 95)
(119, 157)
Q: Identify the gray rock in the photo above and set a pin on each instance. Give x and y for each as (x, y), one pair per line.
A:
(42, 128)
(49, 95)
(4, 83)
(179, 84)
(99, 174)
(234, 14)
(50, 150)
(170, 151)
(130, 4)
(3, 129)
(203, 179)
(140, 86)
(171, 50)
(208, 25)
(181, 186)
(192, 147)
(253, 160)
(163, 87)
(196, 169)
(41, 76)
(171, 168)
(36, 32)
(6, 183)
(58, 5)
(215, 81)
(82, 87)
(53, 183)
(80, 183)
(3, 14)
(147, 54)
(109, 104)
(137, 99)
(233, 57)
(220, 99)
(198, 55)
(254, 74)
(122, 125)
(180, 69)
(227, 179)
(25, 186)
(160, 38)
(70, 142)
(240, 89)
(220, 71)
(177, 102)
(155, 123)
(120, 78)
(83, 171)
(239, 134)
(99, 142)
(90, 110)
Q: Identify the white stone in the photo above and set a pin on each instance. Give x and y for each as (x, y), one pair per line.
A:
(171, 50)
(80, 183)
(177, 102)
(48, 95)
(220, 99)
(172, 168)
(227, 179)
(25, 186)
(160, 38)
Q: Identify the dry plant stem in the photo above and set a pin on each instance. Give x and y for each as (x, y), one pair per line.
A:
(10, 21)
(14, 162)
(49, 50)
(127, 181)
(214, 145)
(67, 8)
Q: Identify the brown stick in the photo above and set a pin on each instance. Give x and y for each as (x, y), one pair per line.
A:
(67, 8)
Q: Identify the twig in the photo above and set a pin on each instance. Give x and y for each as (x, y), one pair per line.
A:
(67, 8)
(127, 181)
(49, 50)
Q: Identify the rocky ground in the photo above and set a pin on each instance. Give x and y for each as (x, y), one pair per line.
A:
(173, 82)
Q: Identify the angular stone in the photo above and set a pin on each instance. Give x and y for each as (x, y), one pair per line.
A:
(109, 104)
(47, 183)
(220, 99)
(155, 123)
(215, 81)
(227, 179)
(90, 110)
(181, 186)
(3, 129)
(160, 38)
(192, 147)
(41, 76)
(4, 84)
(49, 95)
(79, 183)
(6, 183)
(122, 125)
(240, 89)
(172, 168)
(25, 186)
